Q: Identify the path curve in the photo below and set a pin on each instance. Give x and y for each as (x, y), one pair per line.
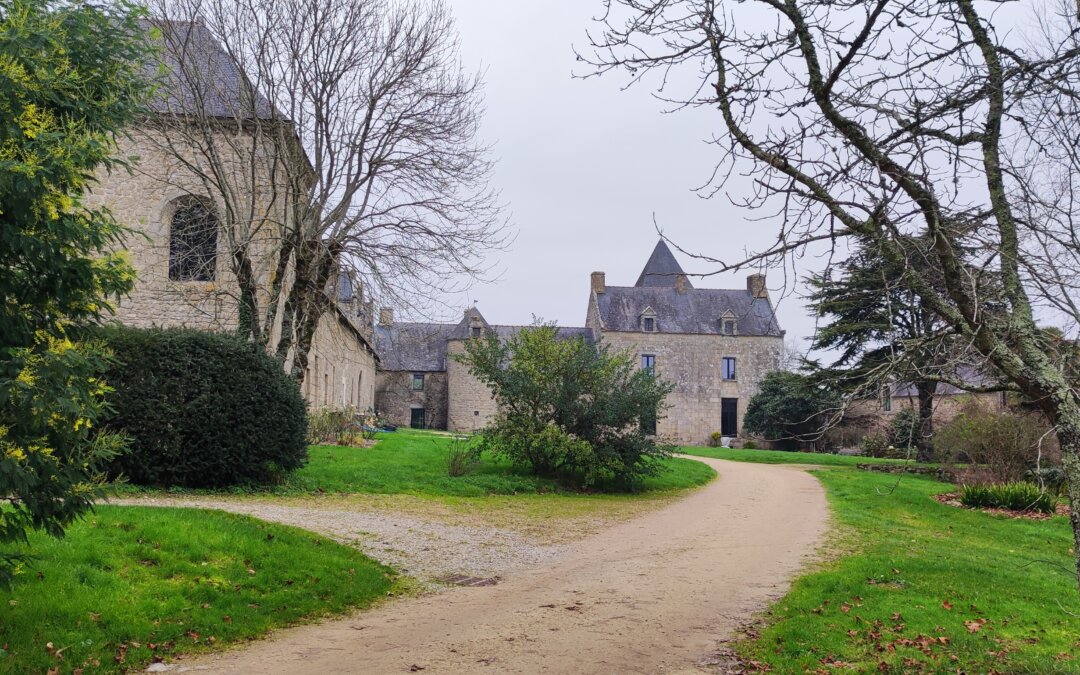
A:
(652, 595)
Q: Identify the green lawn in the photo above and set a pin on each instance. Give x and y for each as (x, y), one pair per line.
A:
(130, 583)
(415, 463)
(785, 457)
(923, 587)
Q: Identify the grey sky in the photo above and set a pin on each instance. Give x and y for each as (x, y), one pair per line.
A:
(584, 166)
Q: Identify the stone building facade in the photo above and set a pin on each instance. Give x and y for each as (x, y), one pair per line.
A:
(714, 345)
(180, 251)
(421, 384)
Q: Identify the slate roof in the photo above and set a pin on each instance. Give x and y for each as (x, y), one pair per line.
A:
(697, 310)
(661, 268)
(421, 347)
(210, 79)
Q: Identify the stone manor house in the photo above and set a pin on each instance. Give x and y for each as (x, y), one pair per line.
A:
(715, 345)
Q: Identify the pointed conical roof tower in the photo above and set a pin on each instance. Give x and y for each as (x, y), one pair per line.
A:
(662, 268)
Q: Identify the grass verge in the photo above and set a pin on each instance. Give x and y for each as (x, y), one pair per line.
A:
(128, 585)
(918, 586)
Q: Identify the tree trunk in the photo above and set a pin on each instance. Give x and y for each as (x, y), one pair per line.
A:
(1069, 438)
(924, 440)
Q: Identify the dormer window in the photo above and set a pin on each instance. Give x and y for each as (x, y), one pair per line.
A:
(728, 325)
(648, 320)
(476, 331)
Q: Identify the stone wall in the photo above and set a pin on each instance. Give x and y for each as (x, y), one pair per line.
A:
(341, 369)
(693, 363)
(471, 406)
(870, 416)
(395, 398)
(144, 200)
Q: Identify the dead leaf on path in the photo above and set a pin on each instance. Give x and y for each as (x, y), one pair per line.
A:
(415, 668)
(551, 606)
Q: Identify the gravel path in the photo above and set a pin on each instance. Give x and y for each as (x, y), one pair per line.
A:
(425, 549)
(656, 594)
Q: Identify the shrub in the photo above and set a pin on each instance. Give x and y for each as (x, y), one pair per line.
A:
(716, 439)
(202, 409)
(339, 426)
(570, 409)
(1051, 478)
(1018, 496)
(1006, 444)
(790, 409)
(463, 455)
(903, 429)
(750, 445)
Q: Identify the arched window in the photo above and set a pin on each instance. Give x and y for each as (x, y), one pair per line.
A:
(192, 241)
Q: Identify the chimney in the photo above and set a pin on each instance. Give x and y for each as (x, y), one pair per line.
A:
(755, 283)
(386, 316)
(599, 284)
(681, 283)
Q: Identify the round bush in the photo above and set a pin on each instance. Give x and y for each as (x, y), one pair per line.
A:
(202, 409)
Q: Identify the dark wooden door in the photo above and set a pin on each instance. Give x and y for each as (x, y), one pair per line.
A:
(729, 417)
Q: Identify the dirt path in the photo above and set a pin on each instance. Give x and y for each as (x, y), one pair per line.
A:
(652, 595)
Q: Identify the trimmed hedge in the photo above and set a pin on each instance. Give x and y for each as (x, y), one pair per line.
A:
(201, 409)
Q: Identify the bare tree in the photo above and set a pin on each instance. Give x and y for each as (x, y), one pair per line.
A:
(887, 119)
(328, 137)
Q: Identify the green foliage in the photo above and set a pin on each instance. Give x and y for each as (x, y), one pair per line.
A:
(202, 409)
(749, 445)
(716, 439)
(570, 409)
(790, 408)
(70, 79)
(129, 585)
(904, 429)
(462, 455)
(1018, 496)
(1005, 444)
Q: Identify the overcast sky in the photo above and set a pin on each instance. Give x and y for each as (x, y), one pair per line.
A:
(583, 167)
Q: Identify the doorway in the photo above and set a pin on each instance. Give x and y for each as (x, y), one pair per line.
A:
(417, 419)
(729, 417)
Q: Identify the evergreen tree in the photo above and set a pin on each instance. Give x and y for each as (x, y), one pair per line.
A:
(71, 78)
(882, 331)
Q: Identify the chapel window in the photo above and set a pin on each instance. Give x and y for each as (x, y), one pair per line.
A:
(193, 235)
